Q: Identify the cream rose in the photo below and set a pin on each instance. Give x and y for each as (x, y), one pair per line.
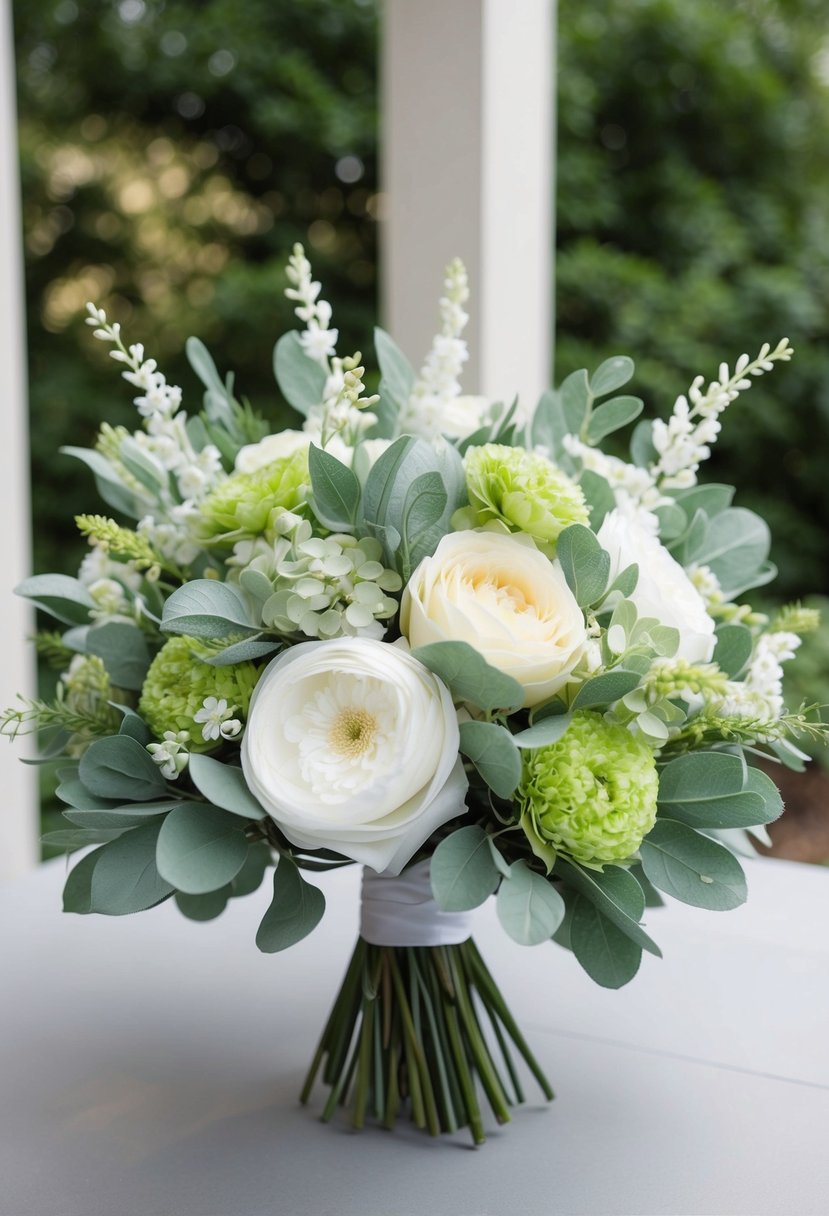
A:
(664, 590)
(352, 745)
(501, 595)
(273, 447)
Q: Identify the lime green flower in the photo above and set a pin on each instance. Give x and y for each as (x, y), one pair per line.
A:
(177, 685)
(591, 795)
(523, 490)
(246, 504)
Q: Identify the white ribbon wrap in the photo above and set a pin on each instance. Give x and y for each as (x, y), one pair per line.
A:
(401, 911)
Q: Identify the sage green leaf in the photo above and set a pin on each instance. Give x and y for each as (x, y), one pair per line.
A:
(203, 907)
(79, 838)
(224, 785)
(77, 890)
(672, 521)
(606, 688)
(543, 733)
(710, 790)
(692, 868)
(125, 877)
(424, 506)
(712, 498)
(295, 910)
(529, 907)
(612, 416)
(248, 650)
(762, 784)
(131, 815)
(585, 564)
(598, 495)
(133, 725)
(575, 396)
(549, 424)
(119, 767)
(733, 649)
(611, 374)
(625, 581)
(200, 848)
(107, 482)
(735, 547)
(397, 374)
(123, 651)
(59, 595)
(608, 955)
(301, 380)
(206, 608)
(74, 793)
(616, 894)
(492, 750)
(462, 870)
(642, 451)
(336, 490)
(249, 878)
(469, 677)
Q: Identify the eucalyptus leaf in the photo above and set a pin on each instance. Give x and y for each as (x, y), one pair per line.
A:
(585, 564)
(207, 608)
(125, 877)
(492, 750)
(130, 815)
(616, 894)
(59, 595)
(735, 547)
(691, 867)
(733, 649)
(611, 374)
(612, 416)
(606, 688)
(224, 785)
(529, 907)
(462, 870)
(709, 790)
(203, 907)
(295, 910)
(549, 424)
(108, 483)
(133, 724)
(301, 380)
(123, 650)
(642, 451)
(200, 848)
(598, 495)
(79, 838)
(543, 733)
(608, 955)
(711, 497)
(336, 490)
(469, 677)
(77, 890)
(575, 396)
(398, 376)
(248, 650)
(119, 767)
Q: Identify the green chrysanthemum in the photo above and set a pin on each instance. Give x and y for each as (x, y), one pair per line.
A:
(246, 504)
(177, 684)
(591, 795)
(522, 489)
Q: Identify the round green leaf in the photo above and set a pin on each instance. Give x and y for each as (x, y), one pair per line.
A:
(692, 868)
(462, 870)
(608, 956)
(295, 910)
(200, 848)
(529, 907)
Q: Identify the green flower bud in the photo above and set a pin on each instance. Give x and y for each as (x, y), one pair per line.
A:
(177, 684)
(523, 490)
(251, 504)
(591, 795)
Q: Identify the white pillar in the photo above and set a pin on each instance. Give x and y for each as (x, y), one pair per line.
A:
(467, 169)
(18, 797)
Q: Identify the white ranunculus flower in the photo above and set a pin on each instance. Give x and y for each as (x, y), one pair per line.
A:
(497, 592)
(664, 590)
(273, 447)
(352, 745)
(462, 416)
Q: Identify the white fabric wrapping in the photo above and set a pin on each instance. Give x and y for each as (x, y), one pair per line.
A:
(401, 911)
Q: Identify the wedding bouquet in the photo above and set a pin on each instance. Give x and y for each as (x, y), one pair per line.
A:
(470, 650)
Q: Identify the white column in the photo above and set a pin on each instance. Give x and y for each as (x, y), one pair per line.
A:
(18, 797)
(467, 169)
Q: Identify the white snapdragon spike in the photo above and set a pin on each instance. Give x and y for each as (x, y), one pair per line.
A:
(319, 339)
(97, 565)
(759, 695)
(171, 755)
(439, 380)
(708, 585)
(341, 420)
(684, 441)
(634, 488)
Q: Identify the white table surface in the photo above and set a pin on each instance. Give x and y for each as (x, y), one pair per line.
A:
(149, 1066)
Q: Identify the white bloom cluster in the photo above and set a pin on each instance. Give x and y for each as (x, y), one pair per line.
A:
(165, 443)
(439, 379)
(217, 721)
(344, 414)
(684, 441)
(635, 488)
(760, 694)
(108, 582)
(171, 755)
(319, 340)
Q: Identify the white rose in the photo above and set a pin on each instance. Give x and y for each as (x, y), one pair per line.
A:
(273, 447)
(461, 416)
(664, 590)
(352, 745)
(501, 595)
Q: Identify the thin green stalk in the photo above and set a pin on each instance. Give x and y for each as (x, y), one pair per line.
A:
(364, 1062)
(450, 1118)
(333, 1019)
(477, 1045)
(467, 1084)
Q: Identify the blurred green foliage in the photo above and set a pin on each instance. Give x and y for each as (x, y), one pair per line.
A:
(173, 151)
